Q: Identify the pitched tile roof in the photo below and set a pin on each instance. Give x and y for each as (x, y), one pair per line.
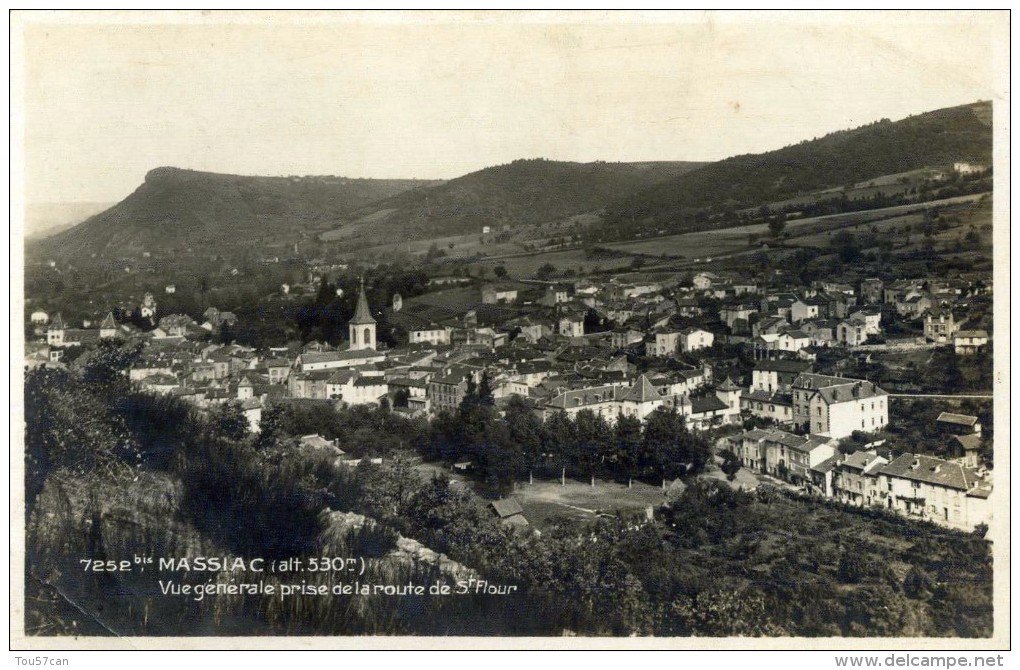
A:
(342, 377)
(728, 385)
(641, 391)
(930, 470)
(507, 507)
(708, 403)
(827, 465)
(582, 397)
(968, 442)
(861, 460)
(957, 419)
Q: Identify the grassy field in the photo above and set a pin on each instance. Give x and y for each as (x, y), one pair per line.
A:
(890, 184)
(815, 231)
(896, 229)
(450, 297)
(453, 246)
(570, 259)
(696, 247)
(701, 245)
(548, 501)
(857, 224)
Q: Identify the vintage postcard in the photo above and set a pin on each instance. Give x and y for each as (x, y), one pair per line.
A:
(510, 329)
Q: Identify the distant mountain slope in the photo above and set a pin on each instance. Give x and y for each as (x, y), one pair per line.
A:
(935, 138)
(176, 209)
(43, 219)
(523, 192)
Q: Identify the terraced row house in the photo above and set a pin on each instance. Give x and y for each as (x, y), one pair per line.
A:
(782, 454)
(922, 487)
(611, 401)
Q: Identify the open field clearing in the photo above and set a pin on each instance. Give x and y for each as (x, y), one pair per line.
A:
(548, 500)
(709, 243)
(570, 259)
(905, 231)
(453, 246)
(692, 247)
(890, 184)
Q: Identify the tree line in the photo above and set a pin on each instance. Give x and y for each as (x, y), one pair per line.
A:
(515, 444)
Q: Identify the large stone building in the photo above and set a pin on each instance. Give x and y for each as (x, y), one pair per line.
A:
(837, 406)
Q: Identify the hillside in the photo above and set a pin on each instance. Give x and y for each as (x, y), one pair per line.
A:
(691, 200)
(521, 193)
(176, 209)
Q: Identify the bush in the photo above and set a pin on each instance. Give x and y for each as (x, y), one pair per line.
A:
(852, 568)
(917, 584)
(730, 465)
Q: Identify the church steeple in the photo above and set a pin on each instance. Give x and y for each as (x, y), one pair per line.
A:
(362, 325)
(362, 315)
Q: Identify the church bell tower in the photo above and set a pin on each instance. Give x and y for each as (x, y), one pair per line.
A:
(362, 326)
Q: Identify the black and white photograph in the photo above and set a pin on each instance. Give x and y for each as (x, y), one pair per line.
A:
(516, 329)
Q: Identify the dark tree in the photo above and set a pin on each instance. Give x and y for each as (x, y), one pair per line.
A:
(664, 443)
(627, 440)
(591, 433)
(730, 465)
(546, 271)
(525, 430)
(777, 225)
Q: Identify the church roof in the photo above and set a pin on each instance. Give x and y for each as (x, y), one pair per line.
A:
(362, 315)
(108, 322)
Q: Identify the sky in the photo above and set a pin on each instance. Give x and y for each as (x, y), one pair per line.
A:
(106, 97)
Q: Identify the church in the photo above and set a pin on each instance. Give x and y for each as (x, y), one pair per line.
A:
(362, 326)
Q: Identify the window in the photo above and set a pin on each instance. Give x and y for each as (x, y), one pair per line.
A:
(819, 411)
(367, 339)
(819, 426)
